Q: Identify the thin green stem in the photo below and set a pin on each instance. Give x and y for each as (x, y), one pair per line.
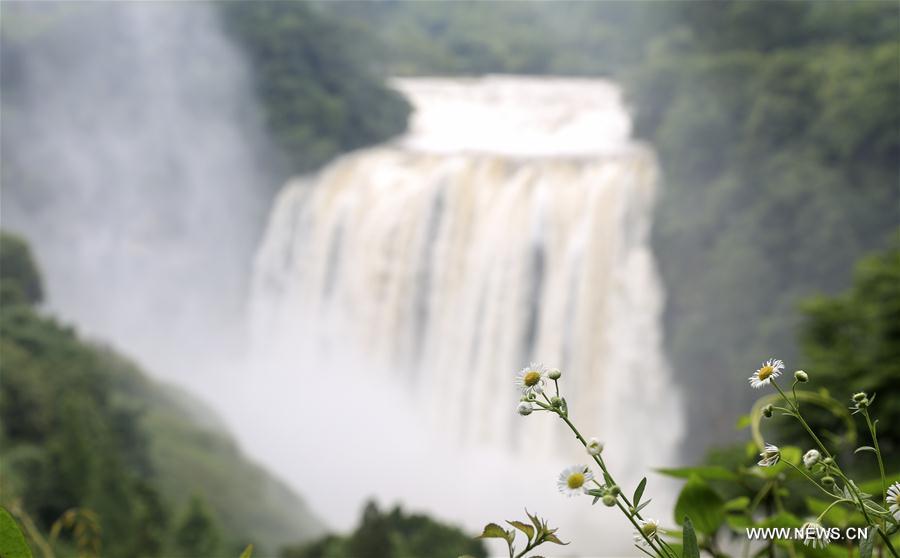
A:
(871, 426)
(525, 550)
(831, 505)
(809, 478)
(887, 542)
(621, 498)
(849, 484)
(639, 530)
(802, 421)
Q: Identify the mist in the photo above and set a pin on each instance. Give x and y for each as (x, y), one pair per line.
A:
(139, 169)
(332, 233)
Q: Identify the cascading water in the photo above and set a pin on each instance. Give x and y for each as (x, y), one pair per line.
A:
(510, 225)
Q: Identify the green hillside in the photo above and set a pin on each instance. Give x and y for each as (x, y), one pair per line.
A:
(83, 427)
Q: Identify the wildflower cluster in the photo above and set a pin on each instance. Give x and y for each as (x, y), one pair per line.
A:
(821, 468)
(702, 509)
(540, 392)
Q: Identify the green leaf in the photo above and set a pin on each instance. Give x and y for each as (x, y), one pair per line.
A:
(493, 531)
(711, 472)
(639, 491)
(702, 504)
(737, 504)
(12, 541)
(738, 522)
(248, 552)
(535, 520)
(550, 537)
(689, 539)
(524, 527)
(866, 545)
(865, 448)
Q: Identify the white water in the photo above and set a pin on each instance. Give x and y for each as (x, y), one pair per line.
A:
(397, 293)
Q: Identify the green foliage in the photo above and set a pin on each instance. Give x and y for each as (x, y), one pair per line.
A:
(12, 541)
(83, 428)
(197, 533)
(776, 128)
(689, 539)
(536, 531)
(853, 339)
(393, 534)
(319, 94)
(20, 280)
(466, 38)
(701, 503)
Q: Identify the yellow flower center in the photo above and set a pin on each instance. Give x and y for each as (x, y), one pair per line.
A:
(575, 480)
(897, 499)
(765, 372)
(531, 378)
(649, 529)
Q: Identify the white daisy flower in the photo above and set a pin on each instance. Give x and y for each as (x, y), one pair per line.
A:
(594, 446)
(770, 369)
(893, 499)
(815, 535)
(770, 456)
(531, 378)
(649, 530)
(810, 458)
(573, 479)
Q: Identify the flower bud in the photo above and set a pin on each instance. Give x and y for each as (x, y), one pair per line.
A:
(859, 396)
(556, 402)
(615, 490)
(801, 376)
(827, 461)
(554, 374)
(531, 396)
(609, 500)
(525, 408)
(862, 404)
(810, 458)
(594, 446)
(767, 411)
(828, 480)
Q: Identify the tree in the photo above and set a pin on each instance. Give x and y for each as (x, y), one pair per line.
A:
(372, 537)
(852, 341)
(197, 533)
(19, 276)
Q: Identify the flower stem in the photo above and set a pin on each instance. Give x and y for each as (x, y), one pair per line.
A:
(621, 498)
(847, 482)
(865, 413)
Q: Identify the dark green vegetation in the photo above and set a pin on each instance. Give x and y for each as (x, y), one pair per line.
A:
(777, 126)
(470, 38)
(729, 493)
(853, 341)
(393, 534)
(314, 81)
(778, 129)
(82, 427)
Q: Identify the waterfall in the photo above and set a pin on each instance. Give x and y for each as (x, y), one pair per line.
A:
(510, 225)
